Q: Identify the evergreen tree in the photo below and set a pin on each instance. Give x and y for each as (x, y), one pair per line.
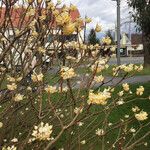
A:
(92, 39)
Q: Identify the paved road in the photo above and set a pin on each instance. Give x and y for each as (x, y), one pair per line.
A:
(116, 81)
(127, 60)
(131, 80)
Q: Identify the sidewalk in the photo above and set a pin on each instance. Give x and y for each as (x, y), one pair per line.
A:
(110, 81)
(130, 80)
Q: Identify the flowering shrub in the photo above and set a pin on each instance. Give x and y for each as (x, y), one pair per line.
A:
(47, 101)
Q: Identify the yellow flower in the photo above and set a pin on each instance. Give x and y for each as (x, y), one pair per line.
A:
(83, 142)
(41, 50)
(1, 124)
(39, 1)
(63, 18)
(64, 89)
(12, 87)
(67, 73)
(31, 12)
(9, 148)
(78, 110)
(99, 132)
(99, 65)
(56, 12)
(140, 90)
(50, 89)
(18, 97)
(30, 1)
(43, 17)
(37, 77)
(121, 93)
(73, 7)
(135, 109)
(98, 28)
(29, 88)
(113, 49)
(50, 5)
(98, 78)
(88, 20)
(126, 87)
(11, 79)
(42, 132)
(99, 98)
(78, 23)
(69, 28)
(19, 79)
(141, 116)
(140, 68)
(34, 34)
(106, 40)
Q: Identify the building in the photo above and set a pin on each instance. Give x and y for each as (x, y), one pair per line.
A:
(133, 47)
(18, 20)
(18, 13)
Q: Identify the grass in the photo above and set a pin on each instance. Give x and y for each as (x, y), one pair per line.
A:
(115, 116)
(94, 142)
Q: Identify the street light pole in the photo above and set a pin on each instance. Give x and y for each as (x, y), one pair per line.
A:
(118, 31)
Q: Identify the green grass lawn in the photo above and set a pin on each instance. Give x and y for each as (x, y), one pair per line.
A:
(91, 124)
(93, 141)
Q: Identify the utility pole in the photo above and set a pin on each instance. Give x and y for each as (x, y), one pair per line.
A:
(118, 31)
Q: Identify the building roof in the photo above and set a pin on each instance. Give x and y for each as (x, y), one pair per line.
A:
(18, 13)
(136, 39)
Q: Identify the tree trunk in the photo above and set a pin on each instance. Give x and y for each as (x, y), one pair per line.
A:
(146, 46)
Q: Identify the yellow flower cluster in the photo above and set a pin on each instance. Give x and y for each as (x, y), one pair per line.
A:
(99, 98)
(88, 20)
(69, 28)
(98, 28)
(121, 93)
(70, 58)
(135, 109)
(99, 78)
(9, 148)
(73, 7)
(106, 40)
(99, 65)
(78, 110)
(37, 77)
(42, 132)
(50, 89)
(63, 18)
(141, 116)
(126, 87)
(99, 132)
(127, 68)
(41, 50)
(12, 85)
(63, 89)
(31, 12)
(94, 47)
(1, 124)
(67, 73)
(12, 79)
(140, 90)
(18, 97)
